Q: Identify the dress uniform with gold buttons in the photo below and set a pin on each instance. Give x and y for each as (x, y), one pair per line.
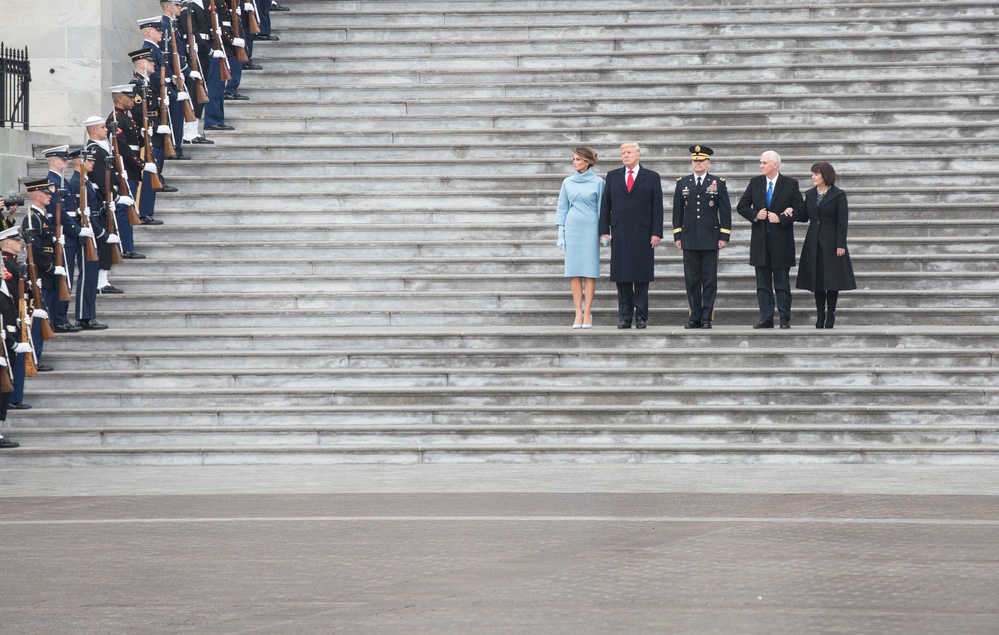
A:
(702, 225)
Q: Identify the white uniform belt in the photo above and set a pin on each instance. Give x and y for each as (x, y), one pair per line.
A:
(134, 148)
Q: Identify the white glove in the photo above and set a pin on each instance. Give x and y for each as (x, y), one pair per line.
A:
(86, 232)
(238, 42)
(62, 240)
(151, 168)
(86, 212)
(113, 239)
(218, 54)
(59, 271)
(22, 347)
(183, 96)
(3, 362)
(127, 200)
(248, 6)
(164, 130)
(41, 314)
(196, 74)
(124, 177)
(560, 241)
(166, 101)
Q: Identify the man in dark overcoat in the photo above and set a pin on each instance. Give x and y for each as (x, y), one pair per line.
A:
(631, 217)
(702, 226)
(770, 202)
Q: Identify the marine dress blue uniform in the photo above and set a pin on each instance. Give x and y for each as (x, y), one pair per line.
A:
(579, 213)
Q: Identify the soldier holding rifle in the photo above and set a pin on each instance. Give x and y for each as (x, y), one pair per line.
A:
(176, 70)
(62, 210)
(107, 191)
(9, 330)
(11, 245)
(42, 270)
(90, 204)
(124, 139)
(146, 111)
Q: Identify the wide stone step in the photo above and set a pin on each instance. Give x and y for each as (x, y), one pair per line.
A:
(513, 436)
(929, 454)
(843, 358)
(240, 337)
(719, 380)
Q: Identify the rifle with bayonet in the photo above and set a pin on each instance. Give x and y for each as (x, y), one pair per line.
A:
(109, 207)
(119, 164)
(165, 127)
(36, 309)
(24, 303)
(60, 258)
(238, 41)
(196, 71)
(178, 76)
(251, 10)
(89, 244)
(219, 52)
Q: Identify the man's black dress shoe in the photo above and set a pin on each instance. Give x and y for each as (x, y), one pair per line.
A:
(131, 255)
(235, 97)
(692, 324)
(43, 368)
(276, 7)
(110, 289)
(785, 324)
(149, 220)
(265, 38)
(253, 67)
(624, 325)
(168, 189)
(19, 406)
(66, 328)
(179, 157)
(7, 443)
(221, 126)
(706, 324)
(639, 323)
(764, 324)
(201, 141)
(91, 325)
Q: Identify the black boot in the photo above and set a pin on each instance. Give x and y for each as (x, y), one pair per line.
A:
(820, 308)
(831, 298)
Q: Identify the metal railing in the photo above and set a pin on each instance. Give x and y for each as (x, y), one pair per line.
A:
(15, 75)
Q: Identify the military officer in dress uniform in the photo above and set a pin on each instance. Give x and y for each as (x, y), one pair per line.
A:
(11, 244)
(146, 111)
(10, 335)
(178, 94)
(103, 176)
(702, 226)
(195, 21)
(86, 285)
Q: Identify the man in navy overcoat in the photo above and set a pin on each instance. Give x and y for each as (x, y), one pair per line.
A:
(631, 216)
(770, 203)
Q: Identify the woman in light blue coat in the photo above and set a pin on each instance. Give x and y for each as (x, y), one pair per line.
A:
(577, 215)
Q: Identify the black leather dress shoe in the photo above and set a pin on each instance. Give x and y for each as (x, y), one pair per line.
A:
(706, 324)
(131, 255)
(785, 324)
(253, 67)
(167, 189)
(91, 325)
(43, 368)
(764, 324)
(265, 38)
(179, 157)
(221, 126)
(235, 97)
(639, 323)
(201, 141)
(276, 7)
(66, 328)
(692, 324)
(19, 406)
(624, 325)
(7, 443)
(110, 289)
(149, 220)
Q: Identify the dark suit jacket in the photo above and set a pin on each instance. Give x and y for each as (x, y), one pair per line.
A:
(775, 240)
(632, 219)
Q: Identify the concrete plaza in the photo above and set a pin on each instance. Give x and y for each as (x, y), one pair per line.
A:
(500, 549)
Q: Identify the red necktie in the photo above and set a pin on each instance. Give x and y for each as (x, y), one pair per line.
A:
(631, 179)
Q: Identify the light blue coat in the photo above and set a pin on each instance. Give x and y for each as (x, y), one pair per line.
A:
(579, 213)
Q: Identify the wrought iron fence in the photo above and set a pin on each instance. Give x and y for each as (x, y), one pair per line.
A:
(15, 74)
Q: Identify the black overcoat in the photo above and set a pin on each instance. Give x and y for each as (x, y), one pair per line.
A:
(781, 235)
(632, 219)
(827, 224)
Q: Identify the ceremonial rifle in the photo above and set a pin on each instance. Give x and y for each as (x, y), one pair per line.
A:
(119, 164)
(29, 360)
(60, 259)
(224, 73)
(236, 14)
(251, 10)
(178, 77)
(192, 48)
(168, 148)
(90, 244)
(7, 378)
(36, 286)
(109, 206)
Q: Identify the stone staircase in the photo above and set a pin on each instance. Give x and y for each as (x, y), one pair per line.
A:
(365, 271)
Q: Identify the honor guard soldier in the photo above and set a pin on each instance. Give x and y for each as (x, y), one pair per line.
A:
(40, 242)
(194, 26)
(103, 176)
(146, 111)
(125, 140)
(155, 76)
(176, 78)
(219, 70)
(702, 225)
(11, 245)
(8, 352)
(94, 233)
(58, 160)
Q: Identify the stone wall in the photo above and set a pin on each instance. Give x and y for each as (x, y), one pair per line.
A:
(78, 49)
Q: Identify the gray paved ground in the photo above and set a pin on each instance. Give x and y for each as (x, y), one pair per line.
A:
(500, 549)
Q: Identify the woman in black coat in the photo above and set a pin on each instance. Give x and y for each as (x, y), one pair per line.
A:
(824, 267)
